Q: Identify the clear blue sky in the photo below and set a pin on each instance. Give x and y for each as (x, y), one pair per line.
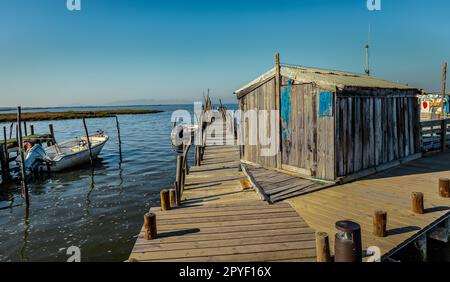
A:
(173, 50)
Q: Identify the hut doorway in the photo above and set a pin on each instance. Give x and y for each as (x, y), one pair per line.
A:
(298, 128)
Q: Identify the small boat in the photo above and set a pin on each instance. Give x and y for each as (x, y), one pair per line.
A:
(67, 154)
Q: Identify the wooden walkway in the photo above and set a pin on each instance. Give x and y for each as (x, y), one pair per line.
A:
(390, 191)
(218, 221)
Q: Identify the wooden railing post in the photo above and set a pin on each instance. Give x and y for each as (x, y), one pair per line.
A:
(443, 135)
(173, 198)
(179, 176)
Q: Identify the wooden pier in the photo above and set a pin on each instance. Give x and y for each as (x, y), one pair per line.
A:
(218, 220)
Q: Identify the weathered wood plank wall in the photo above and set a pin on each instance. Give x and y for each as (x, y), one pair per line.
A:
(373, 130)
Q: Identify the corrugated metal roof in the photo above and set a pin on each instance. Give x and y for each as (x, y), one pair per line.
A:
(329, 79)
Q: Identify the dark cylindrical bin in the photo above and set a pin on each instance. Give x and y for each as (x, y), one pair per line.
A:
(347, 243)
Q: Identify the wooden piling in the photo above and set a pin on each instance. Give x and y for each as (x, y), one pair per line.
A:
(4, 156)
(88, 142)
(444, 187)
(22, 158)
(417, 203)
(150, 231)
(421, 246)
(25, 128)
(165, 200)
(444, 86)
(379, 223)
(118, 137)
(322, 247)
(31, 129)
(197, 155)
(173, 198)
(52, 133)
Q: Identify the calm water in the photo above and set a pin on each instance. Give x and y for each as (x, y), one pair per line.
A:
(100, 212)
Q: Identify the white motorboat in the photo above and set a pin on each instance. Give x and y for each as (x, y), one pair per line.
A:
(65, 155)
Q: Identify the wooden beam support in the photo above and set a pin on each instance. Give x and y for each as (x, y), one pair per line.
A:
(421, 246)
(379, 223)
(322, 247)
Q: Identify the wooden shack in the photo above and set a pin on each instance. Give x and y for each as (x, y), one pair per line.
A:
(332, 125)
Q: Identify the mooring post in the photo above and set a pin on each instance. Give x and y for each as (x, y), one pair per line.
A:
(31, 129)
(88, 141)
(150, 231)
(52, 133)
(322, 247)
(118, 137)
(421, 246)
(22, 158)
(417, 202)
(444, 187)
(165, 200)
(179, 176)
(379, 223)
(25, 128)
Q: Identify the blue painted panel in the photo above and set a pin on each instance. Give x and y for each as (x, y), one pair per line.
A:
(325, 104)
(286, 110)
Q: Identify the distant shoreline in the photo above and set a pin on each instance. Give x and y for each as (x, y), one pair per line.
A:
(42, 116)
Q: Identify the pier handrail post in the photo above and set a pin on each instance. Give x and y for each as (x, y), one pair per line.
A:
(179, 177)
(88, 141)
(322, 247)
(150, 231)
(443, 135)
(22, 158)
(173, 198)
(379, 223)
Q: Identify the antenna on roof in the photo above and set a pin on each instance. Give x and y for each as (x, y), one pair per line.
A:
(367, 68)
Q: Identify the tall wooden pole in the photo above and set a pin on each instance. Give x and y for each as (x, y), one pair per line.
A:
(444, 86)
(22, 158)
(118, 137)
(88, 142)
(278, 104)
(5, 156)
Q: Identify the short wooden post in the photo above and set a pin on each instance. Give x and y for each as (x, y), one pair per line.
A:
(379, 223)
(22, 158)
(165, 200)
(179, 177)
(150, 231)
(322, 247)
(118, 137)
(5, 156)
(417, 202)
(173, 198)
(88, 141)
(444, 187)
(31, 129)
(443, 135)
